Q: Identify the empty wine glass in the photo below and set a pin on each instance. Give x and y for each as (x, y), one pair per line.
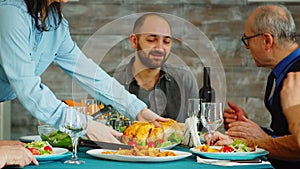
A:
(75, 124)
(193, 107)
(211, 117)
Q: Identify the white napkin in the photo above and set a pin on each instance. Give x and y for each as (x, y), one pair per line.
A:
(227, 162)
(190, 135)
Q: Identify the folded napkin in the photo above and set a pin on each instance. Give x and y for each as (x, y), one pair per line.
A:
(228, 162)
(190, 134)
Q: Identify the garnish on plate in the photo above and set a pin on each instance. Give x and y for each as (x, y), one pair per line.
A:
(39, 147)
(236, 146)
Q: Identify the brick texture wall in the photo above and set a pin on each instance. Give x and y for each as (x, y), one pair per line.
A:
(222, 21)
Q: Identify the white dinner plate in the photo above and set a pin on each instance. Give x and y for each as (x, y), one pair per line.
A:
(231, 155)
(98, 153)
(58, 153)
(28, 139)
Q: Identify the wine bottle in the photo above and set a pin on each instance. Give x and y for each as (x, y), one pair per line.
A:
(206, 93)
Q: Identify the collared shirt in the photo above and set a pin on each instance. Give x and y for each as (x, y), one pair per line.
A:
(25, 53)
(291, 63)
(281, 68)
(169, 96)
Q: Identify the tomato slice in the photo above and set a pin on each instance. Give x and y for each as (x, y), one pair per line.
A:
(48, 148)
(132, 143)
(34, 151)
(227, 149)
(152, 144)
(160, 141)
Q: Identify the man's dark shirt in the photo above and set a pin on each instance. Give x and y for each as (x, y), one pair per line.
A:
(169, 96)
(291, 63)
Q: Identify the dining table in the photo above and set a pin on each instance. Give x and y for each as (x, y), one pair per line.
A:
(92, 162)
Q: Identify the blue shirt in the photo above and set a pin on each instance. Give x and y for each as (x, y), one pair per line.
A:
(25, 53)
(281, 68)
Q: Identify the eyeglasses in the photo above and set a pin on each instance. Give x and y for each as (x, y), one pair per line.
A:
(245, 39)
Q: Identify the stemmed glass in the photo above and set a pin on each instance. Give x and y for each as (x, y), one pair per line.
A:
(75, 124)
(193, 107)
(211, 117)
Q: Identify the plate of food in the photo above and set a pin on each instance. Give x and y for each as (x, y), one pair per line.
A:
(142, 154)
(58, 153)
(167, 136)
(235, 151)
(43, 151)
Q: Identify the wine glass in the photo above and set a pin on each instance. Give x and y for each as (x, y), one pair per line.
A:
(211, 117)
(75, 124)
(193, 107)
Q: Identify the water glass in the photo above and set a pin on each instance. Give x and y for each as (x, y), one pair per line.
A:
(75, 124)
(193, 107)
(211, 117)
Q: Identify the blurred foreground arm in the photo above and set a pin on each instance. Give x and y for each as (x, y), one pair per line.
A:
(290, 103)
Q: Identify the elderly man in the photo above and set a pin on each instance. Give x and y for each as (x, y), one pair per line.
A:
(270, 35)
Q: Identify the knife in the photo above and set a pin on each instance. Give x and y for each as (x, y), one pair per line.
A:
(106, 109)
(103, 145)
(256, 160)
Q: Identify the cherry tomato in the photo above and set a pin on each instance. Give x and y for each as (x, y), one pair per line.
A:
(48, 148)
(227, 149)
(34, 151)
(253, 148)
(132, 143)
(152, 144)
(160, 141)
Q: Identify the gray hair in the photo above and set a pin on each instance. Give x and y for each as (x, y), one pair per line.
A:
(280, 25)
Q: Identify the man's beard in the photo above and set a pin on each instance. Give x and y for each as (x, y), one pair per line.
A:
(145, 58)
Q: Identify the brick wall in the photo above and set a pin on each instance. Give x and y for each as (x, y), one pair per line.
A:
(222, 22)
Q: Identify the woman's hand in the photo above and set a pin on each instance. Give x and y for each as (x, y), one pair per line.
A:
(16, 155)
(10, 142)
(100, 132)
(150, 116)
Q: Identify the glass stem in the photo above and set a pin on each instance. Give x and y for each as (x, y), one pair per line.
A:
(211, 136)
(74, 146)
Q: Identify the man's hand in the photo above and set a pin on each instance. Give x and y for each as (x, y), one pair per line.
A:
(101, 132)
(148, 115)
(233, 114)
(245, 129)
(290, 92)
(219, 139)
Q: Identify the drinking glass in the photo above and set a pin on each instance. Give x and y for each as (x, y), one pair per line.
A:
(93, 105)
(211, 117)
(193, 107)
(75, 124)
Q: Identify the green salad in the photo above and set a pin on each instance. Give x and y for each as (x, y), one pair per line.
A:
(240, 146)
(58, 139)
(39, 147)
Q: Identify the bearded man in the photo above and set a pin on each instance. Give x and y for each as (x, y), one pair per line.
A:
(165, 88)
